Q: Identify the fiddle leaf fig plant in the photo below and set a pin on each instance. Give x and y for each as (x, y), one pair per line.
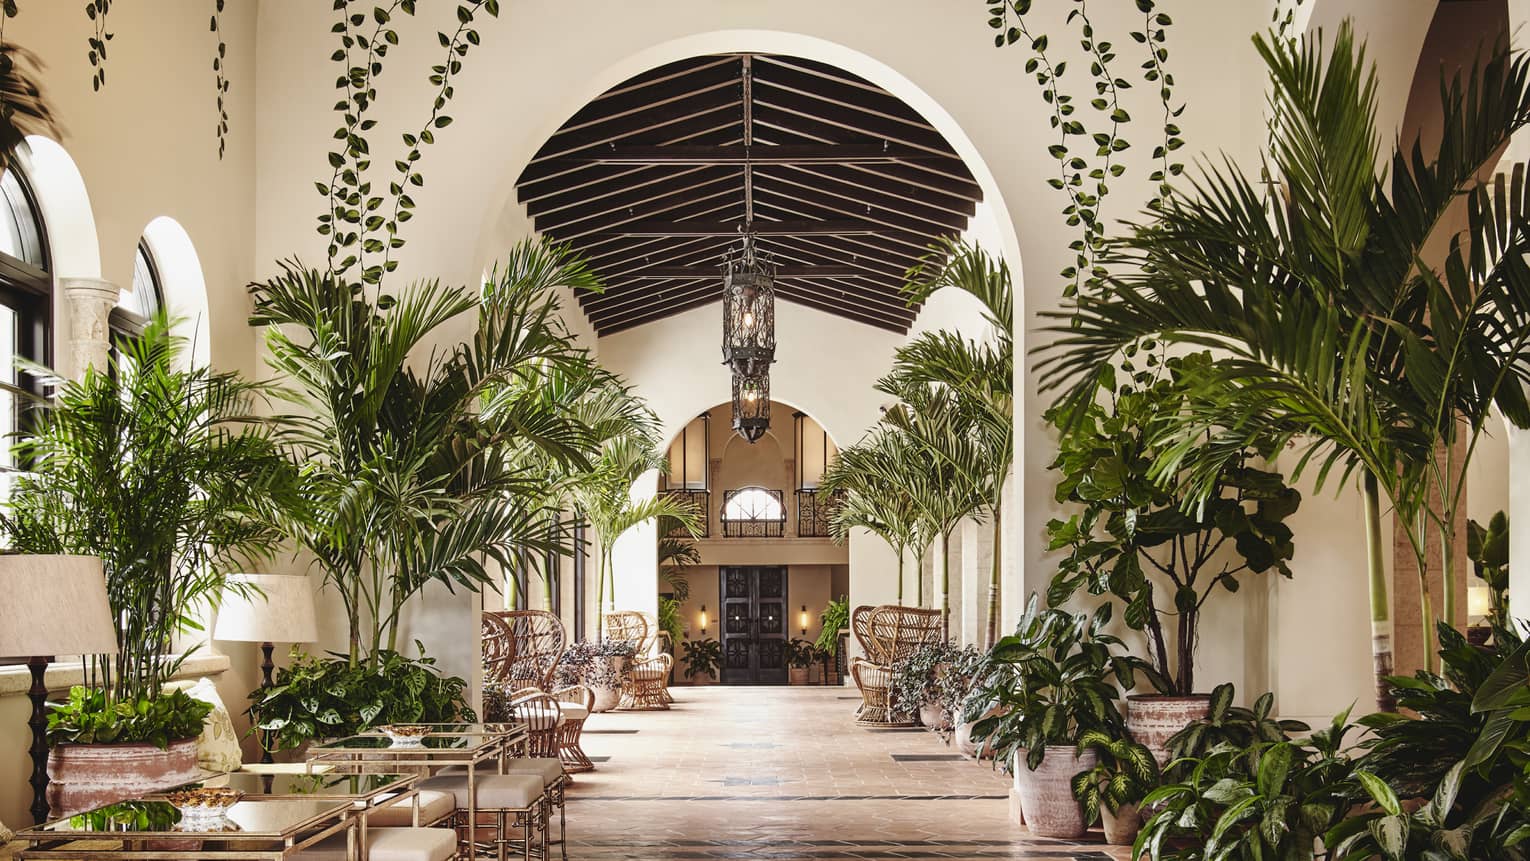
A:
(1137, 536)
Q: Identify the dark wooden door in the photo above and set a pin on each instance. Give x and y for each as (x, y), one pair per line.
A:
(754, 628)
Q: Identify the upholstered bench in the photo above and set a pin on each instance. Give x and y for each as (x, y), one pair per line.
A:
(434, 807)
(550, 769)
(389, 844)
(510, 802)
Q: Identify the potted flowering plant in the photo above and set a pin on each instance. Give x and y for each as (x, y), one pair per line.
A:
(600, 666)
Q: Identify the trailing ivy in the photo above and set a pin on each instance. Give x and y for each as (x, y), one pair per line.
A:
(96, 11)
(220, 78)
(363, 226)
(1153, 36)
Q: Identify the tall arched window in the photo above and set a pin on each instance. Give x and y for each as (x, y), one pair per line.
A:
(753, 512)
(135, 307)
(26, 299)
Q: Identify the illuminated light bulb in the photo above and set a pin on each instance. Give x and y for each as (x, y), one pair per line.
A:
(748, 319)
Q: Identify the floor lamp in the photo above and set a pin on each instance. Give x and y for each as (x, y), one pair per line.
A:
(49, 606)
(267, 609)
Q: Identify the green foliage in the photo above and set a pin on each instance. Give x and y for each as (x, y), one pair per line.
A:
(1488, 550)
(935, 673)
(128, 816)
(1137, 523)
(587, 663)
(1124, 773)
(835, 617)
(1058, 676)
(1230, 725)
(670, 621)
(702, 657)
(167, 475)
(423, 470)
(317, 698)
(801, 654)
(91, 717)
(1261, 800)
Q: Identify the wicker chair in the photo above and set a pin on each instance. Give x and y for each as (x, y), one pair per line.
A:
(520, 654)
(647, 682)
(887, 634)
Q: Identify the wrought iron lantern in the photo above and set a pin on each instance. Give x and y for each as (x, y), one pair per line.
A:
(751, 405)
(749, 312)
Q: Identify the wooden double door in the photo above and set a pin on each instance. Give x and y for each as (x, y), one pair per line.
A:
(754, 627)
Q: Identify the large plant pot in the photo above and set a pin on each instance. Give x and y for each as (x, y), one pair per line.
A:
(1046, 794)
(1121, 827)
(86, 776)
(934, 717)
(797, 675)
(1153, 720)
(962, 738)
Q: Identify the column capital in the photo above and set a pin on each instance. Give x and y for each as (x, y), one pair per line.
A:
(91, 301)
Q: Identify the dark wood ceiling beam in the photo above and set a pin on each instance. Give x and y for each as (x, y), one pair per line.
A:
(715, 273)
(629, 100)
(835, 290)
(587, 219)
(567, 142)
(849, 249)
(678, 306)
(694, 154)
(646, 293)
(793, 249)
(858, 314)
(639, 182)
(699, 227)
(850, 176)
(915, 215)
(621, 253)
(872, 102)
(819, 128)
(709, 210)
(551, 176)
(849, 118)
(835, 77)
(887, 228)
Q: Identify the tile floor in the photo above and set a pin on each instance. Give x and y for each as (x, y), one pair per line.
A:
(783, 773)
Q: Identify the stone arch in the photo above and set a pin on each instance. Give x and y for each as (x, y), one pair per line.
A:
(184, 284)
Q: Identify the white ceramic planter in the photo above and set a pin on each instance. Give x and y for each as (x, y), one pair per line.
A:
(934, 717)
(1046, 794)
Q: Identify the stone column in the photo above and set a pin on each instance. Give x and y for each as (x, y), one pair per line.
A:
(976, 557)
(91, 301)
(1519, 522)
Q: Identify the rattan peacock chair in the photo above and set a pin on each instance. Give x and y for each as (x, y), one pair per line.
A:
(646, 685)
(887, 634)
(520, 653)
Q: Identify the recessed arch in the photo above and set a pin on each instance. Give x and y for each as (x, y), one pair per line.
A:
(74, 247)
(183, 282)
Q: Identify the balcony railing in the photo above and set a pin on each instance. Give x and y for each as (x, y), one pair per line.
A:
(814, 511)
(756, 523)
(701, 502)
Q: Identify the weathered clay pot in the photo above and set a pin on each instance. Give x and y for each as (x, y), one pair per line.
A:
(797, 675)
(962, 738)
(934, 717)
(1153, 720)
(86, 776)
(1121, 827)
(1046, 794)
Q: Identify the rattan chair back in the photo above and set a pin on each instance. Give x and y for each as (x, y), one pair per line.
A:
(860, 626)
(896, 631)
(628, 625)
(498, 648)
(536, 643)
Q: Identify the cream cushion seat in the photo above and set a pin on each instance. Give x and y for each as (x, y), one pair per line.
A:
(389, 844)
(549, 768)
(495, 791)
(434, 806)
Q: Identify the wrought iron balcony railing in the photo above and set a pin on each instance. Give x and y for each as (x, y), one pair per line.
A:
(814, 510)
(701, 502)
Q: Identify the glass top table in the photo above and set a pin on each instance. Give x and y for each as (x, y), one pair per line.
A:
(254, 828)
(357, 787)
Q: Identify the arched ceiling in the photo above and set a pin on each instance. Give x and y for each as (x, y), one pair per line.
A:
(845, 187)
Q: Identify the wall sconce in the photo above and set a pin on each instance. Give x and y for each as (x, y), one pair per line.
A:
(703, 620)
(803, 620)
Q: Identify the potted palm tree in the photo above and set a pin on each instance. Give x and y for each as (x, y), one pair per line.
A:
(1327, 294)
(867, 480)
(166, 474)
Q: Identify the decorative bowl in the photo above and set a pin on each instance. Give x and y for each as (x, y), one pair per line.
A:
(205, 808)
(407, 735)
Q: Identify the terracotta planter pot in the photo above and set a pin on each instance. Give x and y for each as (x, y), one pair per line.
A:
(1046, 794)
(934, 717)
(1153, 720)
(86, 776)
(797, 675)
(1121, 828)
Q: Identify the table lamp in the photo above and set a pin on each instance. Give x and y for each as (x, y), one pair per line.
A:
(267, 609)
(50, 606)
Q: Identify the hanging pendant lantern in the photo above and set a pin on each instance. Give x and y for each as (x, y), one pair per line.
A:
(751, 405)
(749, 312)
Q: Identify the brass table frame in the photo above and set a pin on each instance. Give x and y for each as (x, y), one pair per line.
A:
(500, 739)
(44, 844)
(362, 802)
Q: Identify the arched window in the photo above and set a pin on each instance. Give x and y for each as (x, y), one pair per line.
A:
(26, 298)
(135, 307)
(753, 512)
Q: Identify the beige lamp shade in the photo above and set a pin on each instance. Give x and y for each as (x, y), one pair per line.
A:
(278, 609)
(54, 605)
(1479, 602)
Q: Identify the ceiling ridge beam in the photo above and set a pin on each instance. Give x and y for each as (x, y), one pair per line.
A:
(700, 227)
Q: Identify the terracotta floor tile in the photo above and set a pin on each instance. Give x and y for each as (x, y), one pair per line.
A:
(783, 773)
